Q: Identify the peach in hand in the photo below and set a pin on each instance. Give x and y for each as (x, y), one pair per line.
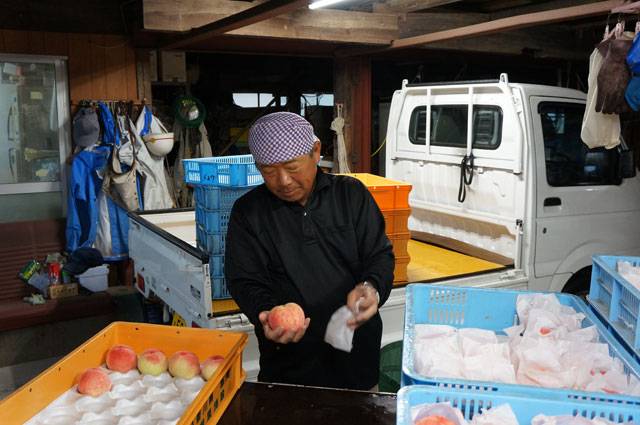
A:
(153, 361)
(184, 364)
(210, 365)
(289, 316)
(94, 381)
(121, 358)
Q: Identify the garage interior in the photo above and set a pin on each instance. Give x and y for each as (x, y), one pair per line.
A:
(353, 53)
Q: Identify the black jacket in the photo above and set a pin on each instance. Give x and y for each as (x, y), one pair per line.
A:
(279, 252)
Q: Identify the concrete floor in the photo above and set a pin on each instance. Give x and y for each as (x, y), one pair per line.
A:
(14, 376)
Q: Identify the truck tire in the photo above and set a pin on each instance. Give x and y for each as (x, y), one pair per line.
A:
(579, 283)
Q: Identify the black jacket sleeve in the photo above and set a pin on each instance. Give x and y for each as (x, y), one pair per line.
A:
(246, 271)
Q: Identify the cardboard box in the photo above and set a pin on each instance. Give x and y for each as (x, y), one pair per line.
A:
(153, 65)
(64, 290)
(95, 279)
(173, 65)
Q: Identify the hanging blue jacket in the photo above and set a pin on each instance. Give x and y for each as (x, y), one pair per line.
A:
(85, 184)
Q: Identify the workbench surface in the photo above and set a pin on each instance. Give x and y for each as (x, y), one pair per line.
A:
(261, 403)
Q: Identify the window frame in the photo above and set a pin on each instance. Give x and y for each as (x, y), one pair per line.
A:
(418, 109)
(612, 179)
(64, 140)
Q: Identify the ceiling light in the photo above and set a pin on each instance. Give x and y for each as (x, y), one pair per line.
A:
(323, 3)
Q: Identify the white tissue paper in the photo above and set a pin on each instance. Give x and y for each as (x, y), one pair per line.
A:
(338, 334)
(549, 348)
(441, 409)
(500, 415)
(629, 272)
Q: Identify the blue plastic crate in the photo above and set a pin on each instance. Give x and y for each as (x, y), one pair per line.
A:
(525, 408)
(616, 300)
(219, 288)
(218, 198)
(216, 265)
(237, 170)
(495, 310)
(213, 221)
(211, 243)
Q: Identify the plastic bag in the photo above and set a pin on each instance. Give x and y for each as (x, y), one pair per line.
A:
(633, 57)
(598, 129)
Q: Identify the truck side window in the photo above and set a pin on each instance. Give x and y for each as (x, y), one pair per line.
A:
(449, 126)
(569, 162)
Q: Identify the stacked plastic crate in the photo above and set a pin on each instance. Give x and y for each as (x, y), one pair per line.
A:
(495, 310)
(218, 183)
(392, 198)
(616, 301)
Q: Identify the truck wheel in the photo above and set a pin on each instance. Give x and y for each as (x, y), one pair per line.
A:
(579, 283)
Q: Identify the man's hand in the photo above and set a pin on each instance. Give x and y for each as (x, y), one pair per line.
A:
(279, 335)
(367, 308)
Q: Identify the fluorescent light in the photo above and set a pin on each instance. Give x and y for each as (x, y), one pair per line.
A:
(323, 3)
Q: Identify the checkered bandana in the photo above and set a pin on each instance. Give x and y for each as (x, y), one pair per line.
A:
(279, 137)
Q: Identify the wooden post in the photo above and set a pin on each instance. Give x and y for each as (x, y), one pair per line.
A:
(352, 87)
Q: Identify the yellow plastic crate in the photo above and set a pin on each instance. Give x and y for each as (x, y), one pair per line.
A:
(389, 194)
(206, 408)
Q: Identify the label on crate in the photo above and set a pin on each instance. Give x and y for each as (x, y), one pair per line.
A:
(209, 173)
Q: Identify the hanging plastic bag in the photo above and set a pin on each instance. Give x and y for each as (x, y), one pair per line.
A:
(598, 129)
(633, 57)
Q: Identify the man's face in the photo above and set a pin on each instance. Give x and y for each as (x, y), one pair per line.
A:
(292, 180)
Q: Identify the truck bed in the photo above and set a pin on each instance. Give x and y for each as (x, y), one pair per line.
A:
(429, 263)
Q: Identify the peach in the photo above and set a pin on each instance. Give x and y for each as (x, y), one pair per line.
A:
(121, 358)
(434, 420)
(210, 365)
(289, 316)
(153, 361)
(94, 381)
(184, 364)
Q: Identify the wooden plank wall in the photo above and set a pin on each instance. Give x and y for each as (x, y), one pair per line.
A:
(101, 66)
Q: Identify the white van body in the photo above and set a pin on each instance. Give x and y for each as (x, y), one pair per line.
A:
(538, 196)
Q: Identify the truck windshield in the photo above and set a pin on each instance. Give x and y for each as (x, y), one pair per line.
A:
(569, 162)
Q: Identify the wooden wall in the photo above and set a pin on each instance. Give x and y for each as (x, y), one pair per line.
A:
(101, 67)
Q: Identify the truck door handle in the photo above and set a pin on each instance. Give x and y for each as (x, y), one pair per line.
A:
(552, 202)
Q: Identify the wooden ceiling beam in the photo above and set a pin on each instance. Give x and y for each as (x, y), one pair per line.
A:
(319, 25)
(492, 27)
(247, 17)
(538, 7)
(407, 6)
(540, 43)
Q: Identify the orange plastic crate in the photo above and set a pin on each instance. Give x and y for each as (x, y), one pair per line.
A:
(400, 270)
(400, 242)
(206, 408)
(389, 194)
(397, 220)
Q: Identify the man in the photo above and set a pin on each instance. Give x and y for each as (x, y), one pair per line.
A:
(314, 239)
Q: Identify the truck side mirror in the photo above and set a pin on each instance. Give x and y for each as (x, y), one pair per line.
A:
(626, 164)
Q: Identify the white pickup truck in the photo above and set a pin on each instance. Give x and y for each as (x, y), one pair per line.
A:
(533, 195)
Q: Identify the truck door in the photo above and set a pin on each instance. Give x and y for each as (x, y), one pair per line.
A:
(582, 207)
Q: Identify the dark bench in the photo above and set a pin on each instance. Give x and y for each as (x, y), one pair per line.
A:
(20, 243)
